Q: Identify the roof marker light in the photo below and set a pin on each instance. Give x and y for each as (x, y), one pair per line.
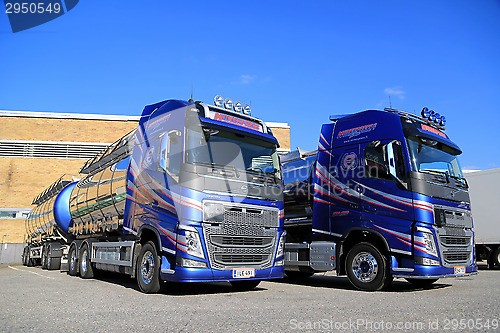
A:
(425, 112)
(438, 118)
(228, 103)
(443, 121)
(219, 101)
(247, 110)
(238, 107)
(432, 115)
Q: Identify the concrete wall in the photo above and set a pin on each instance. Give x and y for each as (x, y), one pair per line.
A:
(11, 253)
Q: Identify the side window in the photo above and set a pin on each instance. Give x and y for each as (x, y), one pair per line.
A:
(375, 162)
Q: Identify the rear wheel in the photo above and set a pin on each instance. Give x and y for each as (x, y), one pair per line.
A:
(421, 282)
(245, 285)
(86, 269)
(148, 269)
(367, 268)
(72, 262)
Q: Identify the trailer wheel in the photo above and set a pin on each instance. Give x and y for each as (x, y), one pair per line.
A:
(72, 262)
(29, 261)
(44, 257)
(245, 285)
(148, 269)
(52, 262)
(25, 256)
(86, 269)
(421, 282)
(367, 268)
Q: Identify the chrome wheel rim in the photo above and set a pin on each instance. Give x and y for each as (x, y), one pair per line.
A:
(84, 261)
(365, 267)
(147, 267)
(72, 260)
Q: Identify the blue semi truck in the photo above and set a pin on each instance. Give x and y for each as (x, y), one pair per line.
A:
(383, 197)
(193, 194)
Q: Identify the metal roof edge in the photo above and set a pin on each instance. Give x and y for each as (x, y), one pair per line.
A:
(59, 115)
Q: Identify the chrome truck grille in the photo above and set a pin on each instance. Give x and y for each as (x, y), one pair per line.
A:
(240, 235)
(455, 245)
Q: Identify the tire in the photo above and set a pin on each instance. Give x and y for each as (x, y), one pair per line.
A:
(86, 269)
(496, 257)
(295, 275)
(148, 269)
(29, 260)
(421, 282)
(245, 285)
(72, 262)
(25, 256)
(44, 257)
(367, 268)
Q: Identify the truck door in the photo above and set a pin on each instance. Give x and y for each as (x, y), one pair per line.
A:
(344, 210)
(386, 203)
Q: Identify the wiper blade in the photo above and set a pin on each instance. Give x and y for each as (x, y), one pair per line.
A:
(441, 173)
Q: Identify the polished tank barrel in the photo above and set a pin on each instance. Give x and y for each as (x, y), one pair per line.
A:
(51, 216)
(97, 202)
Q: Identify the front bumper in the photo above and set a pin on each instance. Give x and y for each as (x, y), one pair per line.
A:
(183, 274)
(435, 272)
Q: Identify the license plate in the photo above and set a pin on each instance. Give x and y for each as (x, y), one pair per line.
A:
(459, 270)
(243, 273)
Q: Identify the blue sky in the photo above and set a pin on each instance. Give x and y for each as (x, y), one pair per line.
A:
(294, 61)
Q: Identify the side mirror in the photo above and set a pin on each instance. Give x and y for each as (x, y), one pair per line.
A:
(395, 161)
(168, 140)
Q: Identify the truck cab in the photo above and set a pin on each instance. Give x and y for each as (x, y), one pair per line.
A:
(383, 197)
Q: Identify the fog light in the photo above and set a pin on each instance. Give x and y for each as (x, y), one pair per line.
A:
(184, 262)
(279, 263)
(427, 261)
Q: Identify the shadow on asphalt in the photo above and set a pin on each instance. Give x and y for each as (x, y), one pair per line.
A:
(317, 280)
(175, 289)
(342, 282)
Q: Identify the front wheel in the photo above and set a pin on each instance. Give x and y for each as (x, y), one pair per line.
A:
(421, 282)
(148, 269)
(367, 268)
(245, 285)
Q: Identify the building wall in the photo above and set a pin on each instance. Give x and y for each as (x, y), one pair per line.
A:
(22, 179)
(73, 130)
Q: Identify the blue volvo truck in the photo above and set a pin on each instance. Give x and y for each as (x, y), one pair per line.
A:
(383, 197)
(194, 194)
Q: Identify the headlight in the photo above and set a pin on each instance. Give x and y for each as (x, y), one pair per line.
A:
(430, 243)
(281, 246)
(193, 242)
(213, 212)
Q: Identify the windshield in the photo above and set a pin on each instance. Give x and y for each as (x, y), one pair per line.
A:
(224, 148)
(433, 157)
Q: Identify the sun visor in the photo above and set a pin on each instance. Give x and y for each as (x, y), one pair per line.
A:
(429, 132)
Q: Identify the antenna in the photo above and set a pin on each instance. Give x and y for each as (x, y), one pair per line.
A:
(390, 102)
(191, 100)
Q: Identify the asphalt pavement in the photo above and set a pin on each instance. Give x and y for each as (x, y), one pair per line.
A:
(32, 299)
